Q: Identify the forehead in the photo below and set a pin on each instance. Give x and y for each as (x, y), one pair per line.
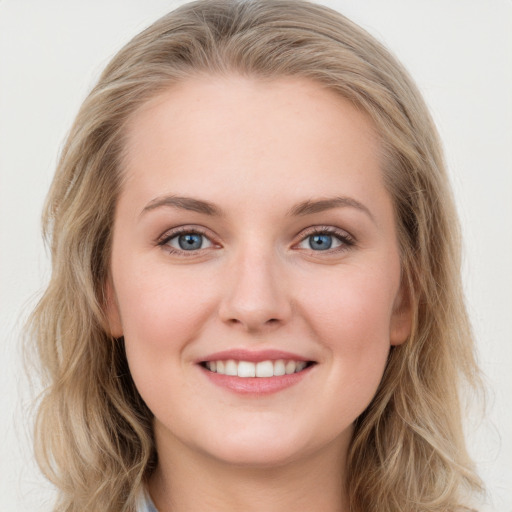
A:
(211, 133)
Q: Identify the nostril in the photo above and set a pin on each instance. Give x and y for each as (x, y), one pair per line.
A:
(270, 321)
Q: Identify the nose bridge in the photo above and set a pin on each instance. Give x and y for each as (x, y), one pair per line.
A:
(257, 295)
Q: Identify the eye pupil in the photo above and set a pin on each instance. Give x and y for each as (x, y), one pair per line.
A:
(320, 242)
(190, 241)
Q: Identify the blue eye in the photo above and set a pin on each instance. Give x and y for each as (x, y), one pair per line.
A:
(320, 242)
(324, 240)
(188, 241)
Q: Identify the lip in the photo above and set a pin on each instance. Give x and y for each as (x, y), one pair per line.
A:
(256, 386)
(251, 356)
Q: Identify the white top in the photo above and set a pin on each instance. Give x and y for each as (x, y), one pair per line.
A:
(145, 504)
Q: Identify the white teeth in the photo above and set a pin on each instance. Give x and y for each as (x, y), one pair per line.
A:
(246, 369)
(262, 369)
(300, 366)
(279, 367)
(230, 368)
(290, 367)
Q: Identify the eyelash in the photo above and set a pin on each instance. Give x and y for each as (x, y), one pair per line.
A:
(347, 240)
(164, 240)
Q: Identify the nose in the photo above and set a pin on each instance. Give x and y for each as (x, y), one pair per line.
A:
(257, 297)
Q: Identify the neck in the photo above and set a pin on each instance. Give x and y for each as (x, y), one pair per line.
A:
(187, 481)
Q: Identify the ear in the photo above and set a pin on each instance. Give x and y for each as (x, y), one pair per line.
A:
(401, 318)
(115, 327)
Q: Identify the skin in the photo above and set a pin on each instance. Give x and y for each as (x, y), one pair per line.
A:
(255, 150)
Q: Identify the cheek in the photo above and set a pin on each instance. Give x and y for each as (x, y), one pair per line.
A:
(162, 314)
(357, 302)
(160, 309)
(351, 317)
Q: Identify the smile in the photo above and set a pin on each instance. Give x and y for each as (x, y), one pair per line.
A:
(255, 373)
(260, 369)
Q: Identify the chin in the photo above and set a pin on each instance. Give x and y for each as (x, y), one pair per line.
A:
(265, 448)
(257, 457)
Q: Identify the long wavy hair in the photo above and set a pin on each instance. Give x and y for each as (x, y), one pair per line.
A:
(93, 433)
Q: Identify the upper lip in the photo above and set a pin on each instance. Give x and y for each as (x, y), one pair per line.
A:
(254, 356)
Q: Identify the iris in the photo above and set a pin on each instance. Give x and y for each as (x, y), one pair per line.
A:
(320, 242)
(190, 241)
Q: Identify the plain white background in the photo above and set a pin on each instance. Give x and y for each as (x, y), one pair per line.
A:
(459, 52)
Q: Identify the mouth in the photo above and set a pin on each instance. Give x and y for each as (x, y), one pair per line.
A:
(261, 369)
(255, 373)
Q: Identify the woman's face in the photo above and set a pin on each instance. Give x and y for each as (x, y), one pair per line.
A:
(255, 268)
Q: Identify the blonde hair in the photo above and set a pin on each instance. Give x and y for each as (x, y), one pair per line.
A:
(93, 431)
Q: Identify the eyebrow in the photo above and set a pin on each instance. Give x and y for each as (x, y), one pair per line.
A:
(184, 203)
(311, 206)
(307, 207)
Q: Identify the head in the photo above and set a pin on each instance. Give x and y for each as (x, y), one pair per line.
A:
(413, 421)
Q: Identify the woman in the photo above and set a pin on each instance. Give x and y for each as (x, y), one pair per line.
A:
(255, 300)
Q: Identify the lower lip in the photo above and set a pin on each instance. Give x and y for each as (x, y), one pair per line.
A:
(256, 385)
